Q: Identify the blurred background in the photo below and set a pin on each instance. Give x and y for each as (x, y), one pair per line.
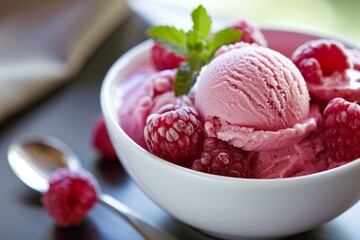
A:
(328, 16)
(44, 42)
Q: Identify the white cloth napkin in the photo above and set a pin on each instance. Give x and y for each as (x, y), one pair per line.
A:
(44, 42)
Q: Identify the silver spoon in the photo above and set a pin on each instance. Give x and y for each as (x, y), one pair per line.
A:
(34, 158)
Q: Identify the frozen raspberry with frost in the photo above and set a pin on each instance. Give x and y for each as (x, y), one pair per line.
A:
(71, 195)
(155, 92)
(164, 59)
(100, 140)
(174, 133)
(237, 45)
(322, 60)
(220, 158)
(251, 33)
(354, 55)
(342, 130)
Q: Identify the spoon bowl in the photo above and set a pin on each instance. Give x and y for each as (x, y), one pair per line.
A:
(33, 158)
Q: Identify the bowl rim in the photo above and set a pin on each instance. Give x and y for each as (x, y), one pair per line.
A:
(313, 33)
(137, 50)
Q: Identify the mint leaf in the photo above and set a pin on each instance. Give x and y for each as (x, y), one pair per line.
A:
(170, 37)
(185, 79)
(202, 21)
(196, 43)
(168, 33)
(223, 37)
(197, 60)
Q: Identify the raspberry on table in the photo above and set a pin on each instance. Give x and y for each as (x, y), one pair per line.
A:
(164, 59)
(342, 130)
(174, 133)
(100, 140)
(223, 159)
(71, 195)
(322, 60)
(250, 33)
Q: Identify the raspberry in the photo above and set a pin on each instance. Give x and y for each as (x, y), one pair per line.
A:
(237, 45)
(100, 140)
(251, 34)
(164, 59)
(322, 60)
(70, 196)
(174, 133)
(220, 158)
(354, 55)
(342, 130)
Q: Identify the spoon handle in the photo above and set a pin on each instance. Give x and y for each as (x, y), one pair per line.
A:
(147, 230)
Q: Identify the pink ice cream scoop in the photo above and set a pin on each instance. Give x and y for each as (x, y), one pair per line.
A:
(255, 99)
(305, 157)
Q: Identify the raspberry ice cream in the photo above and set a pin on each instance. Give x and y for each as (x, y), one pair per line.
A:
(305, 157)
(255, 99)
(253, 112)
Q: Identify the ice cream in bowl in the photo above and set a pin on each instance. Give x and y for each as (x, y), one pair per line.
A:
(256, 135)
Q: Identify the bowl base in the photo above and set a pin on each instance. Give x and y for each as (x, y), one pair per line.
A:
(231, 237)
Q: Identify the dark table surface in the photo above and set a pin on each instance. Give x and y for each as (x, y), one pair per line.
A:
(69, 114)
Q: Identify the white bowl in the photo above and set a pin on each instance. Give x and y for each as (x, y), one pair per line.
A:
(223, 206)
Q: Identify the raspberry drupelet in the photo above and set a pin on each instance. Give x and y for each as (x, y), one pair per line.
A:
(174, 133)
(220, 158)
(71, 195)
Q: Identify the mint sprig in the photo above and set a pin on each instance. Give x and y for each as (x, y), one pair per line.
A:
(169, 37)
(197, 46)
